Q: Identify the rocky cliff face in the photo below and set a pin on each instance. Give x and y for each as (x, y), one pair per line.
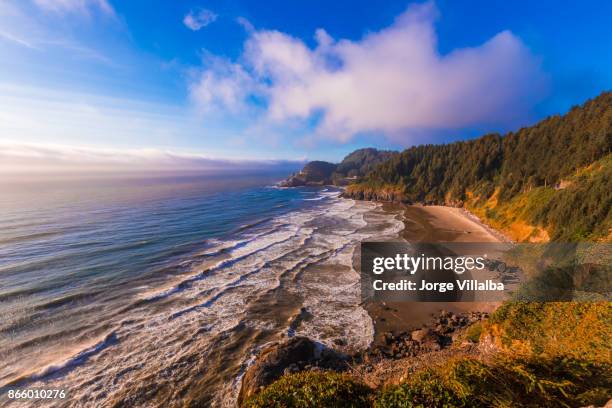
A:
(383, 193)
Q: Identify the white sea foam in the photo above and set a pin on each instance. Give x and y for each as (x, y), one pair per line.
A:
(306, 254)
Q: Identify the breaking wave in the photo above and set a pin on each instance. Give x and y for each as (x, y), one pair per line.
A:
(187, 337)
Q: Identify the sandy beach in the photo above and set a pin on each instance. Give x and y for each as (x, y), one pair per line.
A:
(430, 224)
(445, 224)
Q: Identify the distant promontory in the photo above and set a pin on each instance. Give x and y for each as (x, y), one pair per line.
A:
(351, 169)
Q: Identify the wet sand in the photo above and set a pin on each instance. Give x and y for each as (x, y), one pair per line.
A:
(430, 224)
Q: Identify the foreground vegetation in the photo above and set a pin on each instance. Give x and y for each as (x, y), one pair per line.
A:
(313, 389)
(548, 355)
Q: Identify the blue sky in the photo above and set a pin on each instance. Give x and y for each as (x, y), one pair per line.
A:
(286, 80)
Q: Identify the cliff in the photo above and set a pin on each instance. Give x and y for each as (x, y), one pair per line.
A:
(552, 180)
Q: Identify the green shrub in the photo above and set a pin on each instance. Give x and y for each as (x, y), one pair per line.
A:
(312, 389)
(425, 390)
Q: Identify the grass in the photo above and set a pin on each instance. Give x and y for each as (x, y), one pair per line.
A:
(426, 389)
(313, 389)
(549, 355)
(514, 217)
(578, 330)
(466, 382)
(506, 382)
(474, 332)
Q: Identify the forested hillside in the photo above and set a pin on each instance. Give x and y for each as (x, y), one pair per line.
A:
(360, 162)
(552, 180)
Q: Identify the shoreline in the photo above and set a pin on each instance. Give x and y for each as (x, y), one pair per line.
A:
(394, 347)
(429, 224)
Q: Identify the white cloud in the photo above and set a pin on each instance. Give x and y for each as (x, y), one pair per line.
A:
(195, 20)
(78, 6)
(392, 80)
(222, 85)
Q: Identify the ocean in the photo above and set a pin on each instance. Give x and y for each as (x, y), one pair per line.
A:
(158, 290)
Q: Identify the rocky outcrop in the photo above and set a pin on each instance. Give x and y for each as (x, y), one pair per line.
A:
(293, 181)
(294, 355)
(302, 354)
(386, 193)
(272, 362)
(441, 333)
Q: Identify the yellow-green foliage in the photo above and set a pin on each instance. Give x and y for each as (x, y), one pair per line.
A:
(580, 330)
(505, 382)
(474, 332)
(578, 209)
(524, 381)
(426, 389)
(551, 355)
(312, 389)
(514, 216)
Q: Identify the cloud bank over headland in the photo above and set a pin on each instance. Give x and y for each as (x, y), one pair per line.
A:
(391, 81)
(21, 158)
